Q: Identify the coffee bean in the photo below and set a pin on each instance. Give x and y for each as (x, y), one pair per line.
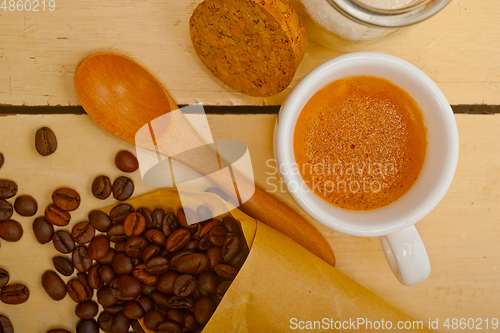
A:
(77, 291)
(166, 282)
(215, 256)
(8, 189)
(133, 310)
(105, 297)
(120, 212)
(156, 236)
(126, 161)
(6, 210)
(208, 281)
(222, 288)
(122, 264)
(11, 230)
(184, 285)
(83, 232)
(107, 274)
(25, 205)
(226, 271)
(120, 246)
(232, 225)
(152, 250)
(217, 236)
(204, 243)
(126, 287)
(54, 286)
(2, 160)
(116, 233)
(134, 246)
(121, 323)
(208, 226)
(136, 327)
(231, 246)
(94, 277)
(4, 278)
(87, 326)
(169, 224)
(63, 242)
(157, 217)
(142, 275)
(5, 325)
(175, 258)
(57, 216)
(98, 247)
(195, 263)
(100, 220)
(63, 265)
(177, 302)
(190, 323)
(168, 327)
(43, 230)
(123, 188)
(203, 310)
(107, 259)
(58, 330)
(239, 259)
(45, 141)
(14, 294)
(101, 187)
(86, 310)
(157, 265)
(66, 199)
(178, 239)
(176, 315)
(81, 259)
(82, 277)
(115, 308)
(153, 319)
(105, 321)
(146, 212)
(218, 191)
(134, 224)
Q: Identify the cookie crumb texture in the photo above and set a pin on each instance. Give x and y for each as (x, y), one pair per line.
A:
(253, 47)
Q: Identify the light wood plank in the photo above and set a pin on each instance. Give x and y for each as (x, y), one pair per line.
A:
(458, 48)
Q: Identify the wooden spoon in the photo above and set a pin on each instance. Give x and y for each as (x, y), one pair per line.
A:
(122, 96)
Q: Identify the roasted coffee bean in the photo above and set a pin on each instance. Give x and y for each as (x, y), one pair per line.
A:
(217, 236)
(63, 242)
(136, 327)
(189, 322)
(169, 224)
(204, 213)
(129, 286)
(142, 275)
(6, 210)
(16, 293)
(122, 264)
(195, 263)
(81, 259)
(108, 258)
(77, 291)
(166, 282)
(168, 327)
(232, 225)
(66, 199)
(5, 325)
(133, 310)
(199, 291)
(105, 321)
(2, 160)
(58, 330)
(204, 243)
(146, 303)
(43, 230)
(177, 256)
(115, 308)
(192, 245)
(184, 285)
(120, 246)
(123, 188)
(218, 191)
(208, 281)
(126, 161)
(178, 239)
(160, 299)
(105, 297)
(182, 217)
(98, 247)
(11, 231)
(177, 302)
(147, 290)
(157, 265)
(87, 326)
(82, 277)
(83, 232)
(146, 212)
(94, 277)
(231, 246)
(176, 315)
(121, 323)
(45, 141)
(239, 259)
(226, 271)
(4, 277)
(203, 310)
(86, 310)
(207, 227)
(157, 217)
(120, 212)
(134, 224)
(63, 265)
(215, 256)
(100, 220)
(57, 216)
(153, 319)
(101, 187)
(155, 236)
(54, 286)
(8, 189)
(25, 205)
(150, 251)
(116, 233)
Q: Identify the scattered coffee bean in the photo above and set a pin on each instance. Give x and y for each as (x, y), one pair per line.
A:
(54, 286)
(105, 321)
(63, 265)
(94, 277)
(81, 259)
(83, 232)
(203, 310)
(121, 323)
(66, 199)
(100, 220)
(136, 327)
(157, 265)
(156, 236)
(222, 288)
(86, 310)
(178, 239)
(98, 247)
(5, 325)
(8, 189)
(231, 246)
(25, 205)
(142, 275)
(6, 210)
(63, 242)
(120, 212)
(2, 160)
(152, 319)
(226, 271)
(116, 233)
(77, 291)
(43, 230)
(105, 297)
(101, 187)
(58, 330)
(4, 278)
(168, 327)
(134, 246)
(14, 294)
(108, 258)
(45, 141)
(123, 188)
(57, 216)
(134, 224)
(184, 285)
(87, 326)
(11, 230)
(122, 264)
(126, 161)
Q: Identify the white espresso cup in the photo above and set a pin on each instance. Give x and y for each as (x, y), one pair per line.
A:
(394, 223)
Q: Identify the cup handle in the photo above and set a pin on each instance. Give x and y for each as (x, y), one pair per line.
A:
(406, 255)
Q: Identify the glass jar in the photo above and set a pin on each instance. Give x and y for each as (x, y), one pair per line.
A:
(341, 24)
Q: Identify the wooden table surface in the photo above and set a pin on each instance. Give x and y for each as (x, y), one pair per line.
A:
(459, 49)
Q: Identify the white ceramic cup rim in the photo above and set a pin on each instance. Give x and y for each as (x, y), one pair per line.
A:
(439, 166)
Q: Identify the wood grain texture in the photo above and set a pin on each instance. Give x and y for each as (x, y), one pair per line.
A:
(458, 48)
(461, 234)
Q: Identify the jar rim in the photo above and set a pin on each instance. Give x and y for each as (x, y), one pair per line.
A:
(412, 13)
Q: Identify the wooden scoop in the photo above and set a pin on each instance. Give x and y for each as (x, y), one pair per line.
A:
(122, 96)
